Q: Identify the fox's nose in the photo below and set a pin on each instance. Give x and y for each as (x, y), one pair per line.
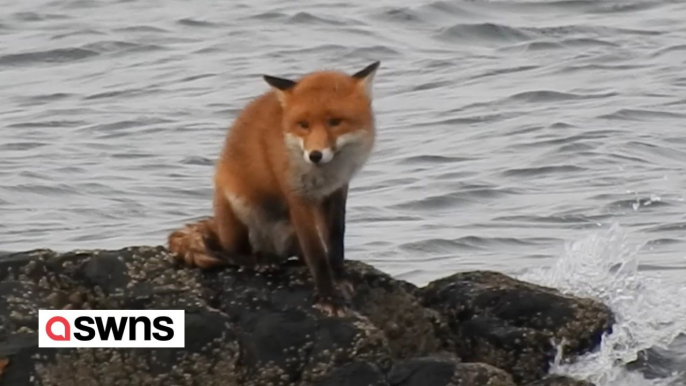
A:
(316, 156)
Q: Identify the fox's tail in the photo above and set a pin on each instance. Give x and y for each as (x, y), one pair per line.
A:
(193, 243)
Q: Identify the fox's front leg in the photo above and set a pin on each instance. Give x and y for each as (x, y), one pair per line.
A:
(334, 208)
(311, 229)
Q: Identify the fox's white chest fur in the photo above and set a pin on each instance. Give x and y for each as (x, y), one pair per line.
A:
(274, 234)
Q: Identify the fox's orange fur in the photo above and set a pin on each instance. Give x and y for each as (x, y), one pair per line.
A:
(282, 179)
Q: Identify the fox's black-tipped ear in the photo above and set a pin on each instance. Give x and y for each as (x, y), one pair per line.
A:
(279, 83)
(280, 86)
(366, 77)
(369, 70)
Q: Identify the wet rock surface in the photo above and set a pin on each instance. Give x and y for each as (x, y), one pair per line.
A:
(445, 372)
(514, 325)
(558, 380)
(248, 328)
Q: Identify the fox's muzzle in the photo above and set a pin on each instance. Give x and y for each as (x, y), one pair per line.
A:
(318, 157)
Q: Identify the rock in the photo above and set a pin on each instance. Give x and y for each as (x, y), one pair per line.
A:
(354, 374)
(512, 324)
(559, 380)
(241, 328)
(248, 328)
(446, 372)
(126, 279)
(411, 329)
(660, 362)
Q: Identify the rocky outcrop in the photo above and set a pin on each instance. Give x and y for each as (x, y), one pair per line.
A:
(247, 328)
(514, 325)
(446, 372)
(558, 380)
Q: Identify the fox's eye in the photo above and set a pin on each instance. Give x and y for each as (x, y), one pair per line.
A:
(333, 122)
(304, 124)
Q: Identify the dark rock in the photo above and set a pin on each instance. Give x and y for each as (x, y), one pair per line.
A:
(660, 362)
(355, 374)
(512, 324)
(411, 329)
(109, 280)
(242, 328)
(445, 372)
(559, 380)
(248, 328)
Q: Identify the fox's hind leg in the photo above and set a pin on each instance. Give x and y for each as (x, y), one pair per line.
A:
(221, 240)
(232, 235)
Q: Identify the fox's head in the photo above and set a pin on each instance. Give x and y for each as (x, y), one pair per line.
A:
(327, 114)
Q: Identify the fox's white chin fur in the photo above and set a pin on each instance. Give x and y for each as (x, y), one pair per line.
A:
(320, 180)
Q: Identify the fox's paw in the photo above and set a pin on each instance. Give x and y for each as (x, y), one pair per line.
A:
(346, 289)
(333, 305)
(202, 260)
(198, 259)
(268, 268)
(267, 262)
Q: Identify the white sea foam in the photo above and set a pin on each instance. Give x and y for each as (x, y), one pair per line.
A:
(650, 313)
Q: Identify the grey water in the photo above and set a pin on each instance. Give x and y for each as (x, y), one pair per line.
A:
(545, 139)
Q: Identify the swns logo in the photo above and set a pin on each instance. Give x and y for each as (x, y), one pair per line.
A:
(111, 328)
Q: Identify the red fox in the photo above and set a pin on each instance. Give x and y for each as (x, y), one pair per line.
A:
(281, 183)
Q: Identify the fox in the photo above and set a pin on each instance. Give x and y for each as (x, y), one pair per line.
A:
(281, 181)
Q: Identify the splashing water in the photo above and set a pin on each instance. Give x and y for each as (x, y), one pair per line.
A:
(650, 313)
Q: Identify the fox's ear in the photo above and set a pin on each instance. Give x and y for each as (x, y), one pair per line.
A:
(280, 86)
(366, 77)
